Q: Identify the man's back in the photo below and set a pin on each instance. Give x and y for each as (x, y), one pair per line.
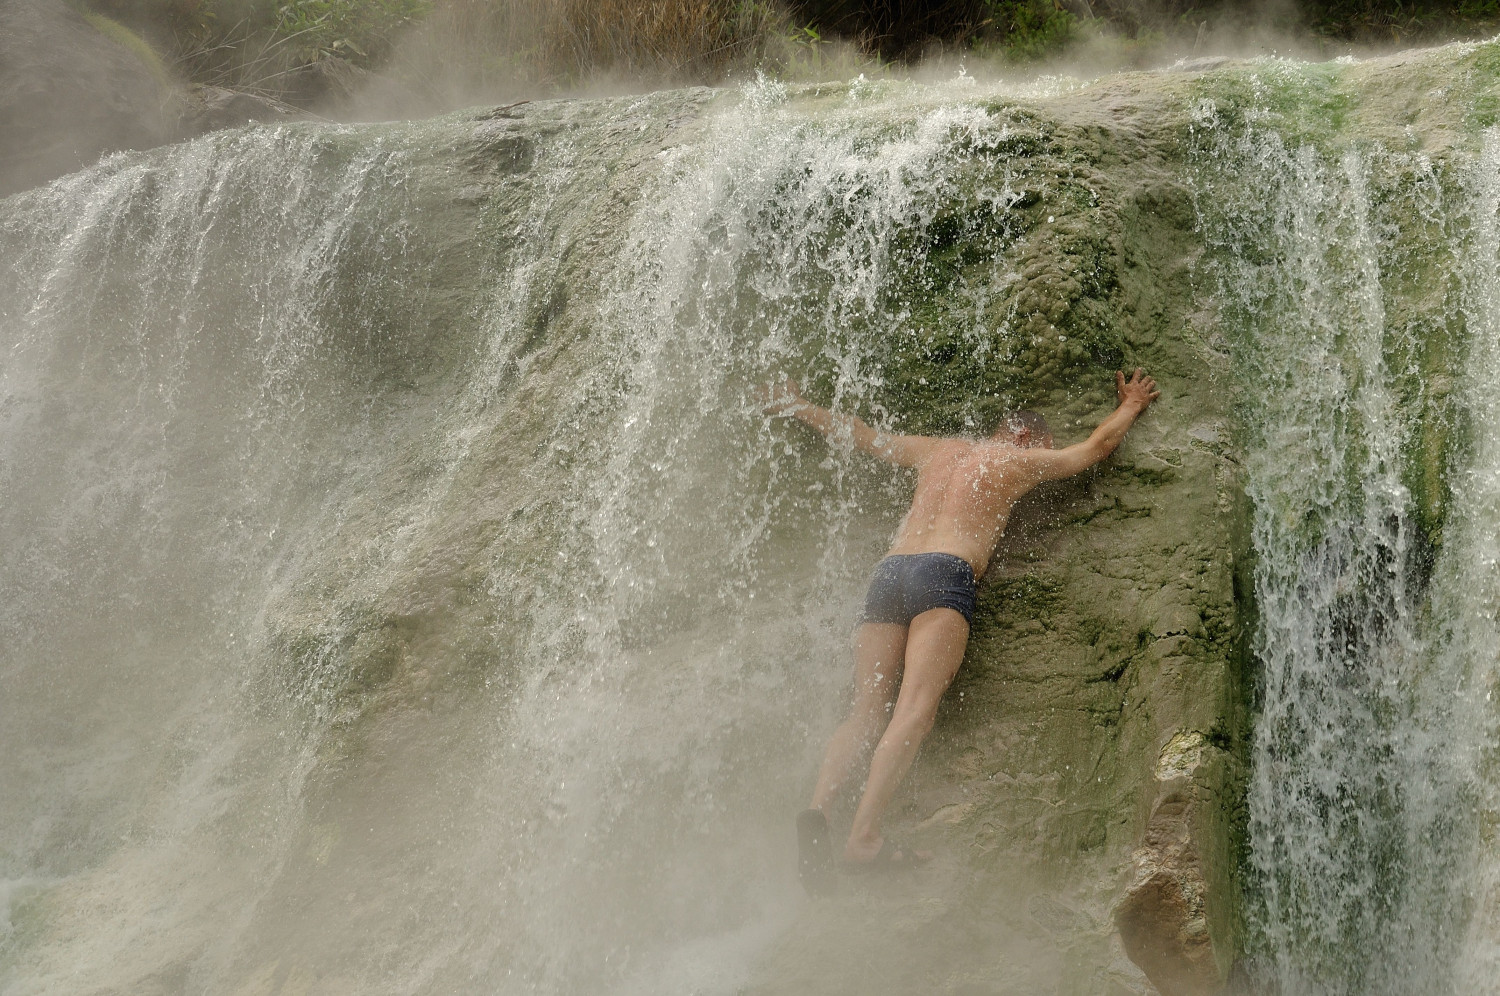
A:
(967, 487)
(965, 492)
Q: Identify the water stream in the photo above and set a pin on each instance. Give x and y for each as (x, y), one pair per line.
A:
(411, 593)
(1356, 282)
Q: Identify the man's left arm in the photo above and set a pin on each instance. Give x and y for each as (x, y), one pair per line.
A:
(1135, 397)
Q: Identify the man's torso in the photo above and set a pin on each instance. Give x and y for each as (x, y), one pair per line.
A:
(965, 492)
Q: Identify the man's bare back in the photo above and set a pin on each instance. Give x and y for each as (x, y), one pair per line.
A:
(916, 625)
(966, 488)
(965, 492)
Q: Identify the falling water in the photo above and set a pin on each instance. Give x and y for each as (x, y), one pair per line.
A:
(1357, 282)
(403, 590)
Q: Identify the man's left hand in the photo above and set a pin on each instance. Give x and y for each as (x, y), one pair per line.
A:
(1139, 391)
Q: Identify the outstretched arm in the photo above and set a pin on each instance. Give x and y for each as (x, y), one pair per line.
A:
(905, 451)
(1135, 396)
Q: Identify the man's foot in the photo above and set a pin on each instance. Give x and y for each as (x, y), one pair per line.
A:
(891, 856)
(814, 853)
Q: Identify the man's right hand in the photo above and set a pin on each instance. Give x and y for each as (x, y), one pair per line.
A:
(780, 397)
(1138, 392)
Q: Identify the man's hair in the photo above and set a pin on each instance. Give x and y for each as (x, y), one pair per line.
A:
(1022, 419)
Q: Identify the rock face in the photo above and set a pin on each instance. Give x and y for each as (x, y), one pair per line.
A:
(1081, 788)
(1163, 917)
(497, 391)
(69, 93)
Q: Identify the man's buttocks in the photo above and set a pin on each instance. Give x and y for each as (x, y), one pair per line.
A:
(906, 585)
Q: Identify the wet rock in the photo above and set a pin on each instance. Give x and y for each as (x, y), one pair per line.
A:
(1200, 65)
(1163, 920)
(1082, 780)
(218, 107)
(1164, 916)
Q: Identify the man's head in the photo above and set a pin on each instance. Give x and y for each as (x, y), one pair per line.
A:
(1024, 428)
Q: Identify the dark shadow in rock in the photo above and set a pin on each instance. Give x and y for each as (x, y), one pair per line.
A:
(222, 108)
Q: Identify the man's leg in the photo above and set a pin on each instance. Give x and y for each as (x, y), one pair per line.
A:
(879, 654)
(934, 649)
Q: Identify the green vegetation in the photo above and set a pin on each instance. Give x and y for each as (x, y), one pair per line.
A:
(1369, 20)
(527, 46)
(1309, 104)
(1029, 29)
(348, 28)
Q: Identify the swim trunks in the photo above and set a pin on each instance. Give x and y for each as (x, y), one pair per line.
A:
(907, 584)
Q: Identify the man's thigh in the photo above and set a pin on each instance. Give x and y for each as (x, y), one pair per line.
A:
(934, 649)
(879, 658)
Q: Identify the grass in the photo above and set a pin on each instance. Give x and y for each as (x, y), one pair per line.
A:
(356, 30)
(673, 35)
(1401, 20)
(1028, 30)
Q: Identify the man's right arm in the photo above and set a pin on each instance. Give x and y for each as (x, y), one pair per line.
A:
(1135, 396)
(904, 451)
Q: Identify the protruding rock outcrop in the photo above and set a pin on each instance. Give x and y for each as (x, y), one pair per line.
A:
(1164, 916)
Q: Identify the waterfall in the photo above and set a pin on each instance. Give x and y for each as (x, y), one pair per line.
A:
(1355, 279)
(402, 590)
(1469, 616)
(405, 583)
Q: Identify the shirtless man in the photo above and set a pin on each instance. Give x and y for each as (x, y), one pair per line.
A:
(921, 599)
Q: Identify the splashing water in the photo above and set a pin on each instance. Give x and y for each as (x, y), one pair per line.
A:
(397, 583)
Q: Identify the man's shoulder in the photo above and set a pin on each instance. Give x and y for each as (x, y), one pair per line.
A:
(988, 451)
(996, 454)
(961, 449)
(997, 449)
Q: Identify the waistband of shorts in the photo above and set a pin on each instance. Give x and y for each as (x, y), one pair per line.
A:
(930, 553)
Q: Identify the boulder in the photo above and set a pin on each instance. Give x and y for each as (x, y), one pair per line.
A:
(1163, 916)
(73, 89)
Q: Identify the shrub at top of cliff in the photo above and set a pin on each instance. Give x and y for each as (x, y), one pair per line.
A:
(1020, 29)
(494, 47)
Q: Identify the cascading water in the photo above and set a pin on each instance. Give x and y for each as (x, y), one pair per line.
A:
(1469, 632)
(1357, 281)
(402, 591)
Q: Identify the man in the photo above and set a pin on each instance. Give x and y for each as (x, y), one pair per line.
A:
(920, 603)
